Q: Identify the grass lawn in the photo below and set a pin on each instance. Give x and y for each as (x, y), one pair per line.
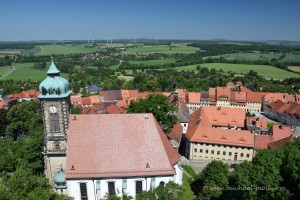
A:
(263, 70)
(65, 49)
(188, 194)
(127, 78)
(4, 70)
(189, 170)
(25, 72)
(148, 49)
(295, 68)
(153, 62)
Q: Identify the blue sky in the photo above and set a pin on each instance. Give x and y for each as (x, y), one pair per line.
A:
(164, 19)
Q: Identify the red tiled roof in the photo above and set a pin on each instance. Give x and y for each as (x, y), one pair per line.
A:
(262, 141)
(230, 84)
(213, 115)
(283, 108)
(95, 99)
(86, 101)
(118, 146)
(290, 98)
(200, 126)
(276, 105)
(194, 97)
(113, 109)
(1, 104)
(244, 89)
(281, 131)
(240, 83)
(176, 132)
(254, 97)
(275, 96)
(222, 136)
(75, 99)
(223, 93)
(260, 121)
(298, 98)
(238, 96)
(280, 143)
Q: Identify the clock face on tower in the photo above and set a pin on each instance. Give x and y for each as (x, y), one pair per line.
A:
(53, 109)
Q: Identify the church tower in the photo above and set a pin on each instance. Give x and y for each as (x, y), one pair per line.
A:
(55, 101)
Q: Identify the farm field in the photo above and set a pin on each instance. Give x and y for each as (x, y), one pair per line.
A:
(259, 56)
(65, 49)
(148, 49)
(263, 70)
(4, 70)
(295, 68)
(24, 72)
(35, 50)
(153, 62)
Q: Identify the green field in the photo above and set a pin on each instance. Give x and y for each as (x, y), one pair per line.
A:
(295, 68)
(263, 70)
(65, 49)
(24, 72)
(153, 62)
(259, 56)
(148, 49)
(35, 50)
(4, 70)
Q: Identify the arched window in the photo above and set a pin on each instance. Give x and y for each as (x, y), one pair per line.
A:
(54, 120)
(162, 184)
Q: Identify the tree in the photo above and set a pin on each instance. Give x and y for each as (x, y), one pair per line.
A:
(170, 191)
(160, 107)
(3, 122)
(212, 179)
(23, 117)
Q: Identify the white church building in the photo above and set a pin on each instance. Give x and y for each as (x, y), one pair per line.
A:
(90, 156)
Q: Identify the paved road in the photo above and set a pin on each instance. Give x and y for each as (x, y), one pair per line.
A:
(199, 165)
(13, 68)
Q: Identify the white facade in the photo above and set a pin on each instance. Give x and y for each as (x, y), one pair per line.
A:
(193, 107)
(97, 188)
(184, 127)
(253, 107)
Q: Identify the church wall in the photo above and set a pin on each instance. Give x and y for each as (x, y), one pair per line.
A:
(93, 193)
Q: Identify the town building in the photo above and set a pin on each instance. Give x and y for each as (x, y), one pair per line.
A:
(218, 133)
(89, 156)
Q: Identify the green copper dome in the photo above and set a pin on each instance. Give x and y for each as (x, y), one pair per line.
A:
(60, 180)
(54, 86)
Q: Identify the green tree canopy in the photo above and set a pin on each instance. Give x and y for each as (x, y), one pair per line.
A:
(159, 106)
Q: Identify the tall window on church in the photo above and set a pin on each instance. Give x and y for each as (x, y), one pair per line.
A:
(83, 191)
(54, 121)
(138, 187)
(111, 188)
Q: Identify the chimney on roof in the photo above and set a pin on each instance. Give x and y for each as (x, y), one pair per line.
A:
(219, 108)
(74, 118)
(147, 165)
(72, 168)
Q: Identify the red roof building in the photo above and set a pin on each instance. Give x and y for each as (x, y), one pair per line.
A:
(131, 145)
